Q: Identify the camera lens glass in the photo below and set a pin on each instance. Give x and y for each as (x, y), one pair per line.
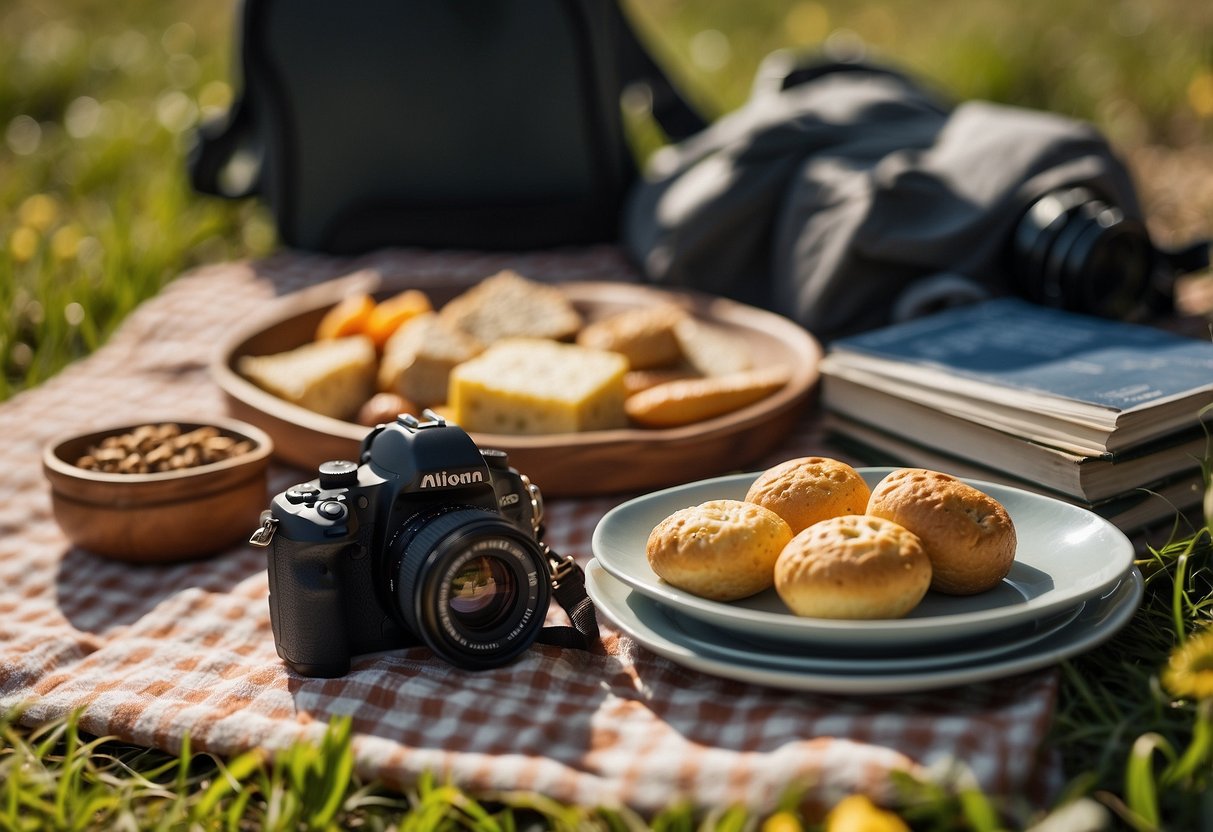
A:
(473, 586)
(481, 592)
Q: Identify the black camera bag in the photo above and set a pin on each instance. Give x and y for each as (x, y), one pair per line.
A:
(483, 124)
(848, 195)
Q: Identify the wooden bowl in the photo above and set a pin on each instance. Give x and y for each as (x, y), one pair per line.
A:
(572, 464)
(159, 517)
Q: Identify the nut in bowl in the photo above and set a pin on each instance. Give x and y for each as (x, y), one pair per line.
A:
(159, 492)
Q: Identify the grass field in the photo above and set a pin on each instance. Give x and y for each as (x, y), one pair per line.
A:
(97, 103)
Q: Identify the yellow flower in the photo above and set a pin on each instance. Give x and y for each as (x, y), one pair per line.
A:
(807, 22)
(23, 244)
(1200, 94)
(39, 211)
(1189, 671)
(65, 242)
(782, 822)
(859, 814)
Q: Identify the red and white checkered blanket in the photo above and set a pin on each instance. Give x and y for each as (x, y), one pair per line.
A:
(150, 653)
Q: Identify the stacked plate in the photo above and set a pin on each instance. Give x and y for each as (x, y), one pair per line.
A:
(1072, 586)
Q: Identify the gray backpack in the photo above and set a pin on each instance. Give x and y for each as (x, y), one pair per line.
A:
(848, 195)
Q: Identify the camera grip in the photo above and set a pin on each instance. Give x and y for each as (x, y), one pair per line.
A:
(306, 610)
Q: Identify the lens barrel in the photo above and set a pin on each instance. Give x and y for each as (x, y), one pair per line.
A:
(1074, 251)
(470, 584)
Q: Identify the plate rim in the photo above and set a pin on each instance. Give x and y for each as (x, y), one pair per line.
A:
(865, 632)
(957, 655)
(1115, 609)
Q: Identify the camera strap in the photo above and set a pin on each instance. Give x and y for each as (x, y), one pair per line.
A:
(568, 588)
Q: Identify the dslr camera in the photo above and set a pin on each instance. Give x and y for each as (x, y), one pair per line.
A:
(427, 539)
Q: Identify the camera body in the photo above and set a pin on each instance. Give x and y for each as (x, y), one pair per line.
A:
(426, 539)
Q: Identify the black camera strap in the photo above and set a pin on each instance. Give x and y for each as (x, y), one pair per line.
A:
(568, 588)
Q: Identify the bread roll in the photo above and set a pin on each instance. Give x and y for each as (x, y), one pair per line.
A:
(810, 489)
(967, 534)
(853, 567)
(644, 335)
(721, 549)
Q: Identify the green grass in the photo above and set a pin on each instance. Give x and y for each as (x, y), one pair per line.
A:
(1144, 749)
(95, 107)
(97, 101)
(54, 777)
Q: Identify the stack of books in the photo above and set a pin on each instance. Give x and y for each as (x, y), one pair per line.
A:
(1108, 415)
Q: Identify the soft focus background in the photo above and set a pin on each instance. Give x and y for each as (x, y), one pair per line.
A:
(97, 100)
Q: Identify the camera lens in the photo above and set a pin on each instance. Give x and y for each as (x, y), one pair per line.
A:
(1074, 251)
(481, 593)
(469, 583)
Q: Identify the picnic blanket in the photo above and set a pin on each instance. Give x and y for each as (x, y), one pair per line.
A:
(149, 654)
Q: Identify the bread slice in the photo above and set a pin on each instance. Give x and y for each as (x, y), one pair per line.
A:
(332, 377)
(418, 359)
(711, 350)
(508, 305)
(533, 386)
(645, 335)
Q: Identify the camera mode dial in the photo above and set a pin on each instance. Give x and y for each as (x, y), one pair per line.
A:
(338, 473)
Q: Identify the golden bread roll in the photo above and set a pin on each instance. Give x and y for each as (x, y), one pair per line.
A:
(810, 489)
(722, 549)
(853, 567)
(643, 335)
(967, 534)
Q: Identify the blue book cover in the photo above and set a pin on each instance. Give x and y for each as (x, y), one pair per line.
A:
(1022, 346)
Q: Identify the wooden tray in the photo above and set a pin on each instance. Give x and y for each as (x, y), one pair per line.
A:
(574, 464)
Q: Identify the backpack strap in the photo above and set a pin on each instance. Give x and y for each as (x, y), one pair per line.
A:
(670, 109)
(226, 156)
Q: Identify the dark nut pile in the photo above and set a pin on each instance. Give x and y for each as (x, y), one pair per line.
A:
(154, 448)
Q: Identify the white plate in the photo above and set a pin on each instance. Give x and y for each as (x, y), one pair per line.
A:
(644, 620)
(1065, 555)
(733, 646)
